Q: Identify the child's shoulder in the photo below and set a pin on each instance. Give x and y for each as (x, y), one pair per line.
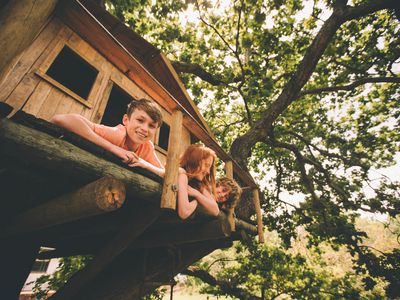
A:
(182, 171)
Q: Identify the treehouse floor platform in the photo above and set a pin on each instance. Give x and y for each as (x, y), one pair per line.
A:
(64, 193)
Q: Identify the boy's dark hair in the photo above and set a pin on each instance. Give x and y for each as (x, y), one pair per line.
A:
(235, 191)
(148, 106)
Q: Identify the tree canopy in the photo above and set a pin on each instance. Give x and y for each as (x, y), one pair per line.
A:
(303, 94)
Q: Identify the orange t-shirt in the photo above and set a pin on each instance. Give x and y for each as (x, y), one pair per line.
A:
(117, 136)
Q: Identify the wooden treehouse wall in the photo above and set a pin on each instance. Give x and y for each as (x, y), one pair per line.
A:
(29, 88)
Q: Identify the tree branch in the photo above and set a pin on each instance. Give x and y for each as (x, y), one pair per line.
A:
(225, 286)
(351, 86)
(195, 69)
(241, 147)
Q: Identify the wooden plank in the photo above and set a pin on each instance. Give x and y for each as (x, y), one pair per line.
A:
(49, 106)
(128, 233)
(18, 98)
(64, 106)
(96, 114)
(29, 57)
(152, 238)
(23, 91)
(101, 196)
(126, 277)
(170, 187)
(54, 49)
(41, 150)
(231, 210)
(38, 97)
(229, 169)
(260, 226)
(16, 36)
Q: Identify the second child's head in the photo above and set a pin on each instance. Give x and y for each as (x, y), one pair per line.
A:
(141, 120)
(198, 162)
(228, 192)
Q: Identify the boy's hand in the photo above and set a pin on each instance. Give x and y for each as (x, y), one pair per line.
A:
(127, 157)
(139, 162)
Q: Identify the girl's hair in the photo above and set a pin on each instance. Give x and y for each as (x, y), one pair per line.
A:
(235, 191)
(191, 161)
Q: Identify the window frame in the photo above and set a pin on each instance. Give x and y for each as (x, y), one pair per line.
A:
(42, 70)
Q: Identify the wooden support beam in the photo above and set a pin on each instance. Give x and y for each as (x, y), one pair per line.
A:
(161, 238)
(126, 278)
(36, 148)
(229, 169)
(247, 227)
(231, 210)
(170, 187)
(128, 233)
(101, 196)
(17, 256)
(256, 201)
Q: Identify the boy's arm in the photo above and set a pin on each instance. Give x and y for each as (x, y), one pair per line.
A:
(85, 128)
(140, 162)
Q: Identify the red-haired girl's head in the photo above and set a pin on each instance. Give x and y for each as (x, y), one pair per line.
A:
(198, 162)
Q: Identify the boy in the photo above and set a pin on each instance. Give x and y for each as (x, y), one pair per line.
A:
(130, 141)
(228, 192)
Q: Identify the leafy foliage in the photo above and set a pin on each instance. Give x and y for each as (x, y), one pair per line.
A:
(67, 267)
(304, 94)
(265, 272)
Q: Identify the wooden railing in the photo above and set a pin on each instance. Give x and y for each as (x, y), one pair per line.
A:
(170, 187)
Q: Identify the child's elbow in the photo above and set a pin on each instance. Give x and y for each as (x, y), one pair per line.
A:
(215, 212)
(184, 214)
(58, 119)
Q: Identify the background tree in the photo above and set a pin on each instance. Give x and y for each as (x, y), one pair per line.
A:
(304, 94)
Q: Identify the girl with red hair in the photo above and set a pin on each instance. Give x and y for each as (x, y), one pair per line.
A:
(196, 180)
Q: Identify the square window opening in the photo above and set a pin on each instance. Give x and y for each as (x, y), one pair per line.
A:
(116, 106)
(163, 139)
(73, 72)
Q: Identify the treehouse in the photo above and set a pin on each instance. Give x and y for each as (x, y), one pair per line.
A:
(64, 193)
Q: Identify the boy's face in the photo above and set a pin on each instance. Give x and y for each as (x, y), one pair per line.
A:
(140, 128)
(222, 193)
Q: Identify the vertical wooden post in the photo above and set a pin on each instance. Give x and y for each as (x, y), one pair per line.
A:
(256, 200)
(229, 174)
(170, 187)
(229, 169)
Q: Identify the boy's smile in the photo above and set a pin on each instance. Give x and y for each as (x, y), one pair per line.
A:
(140, 128)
